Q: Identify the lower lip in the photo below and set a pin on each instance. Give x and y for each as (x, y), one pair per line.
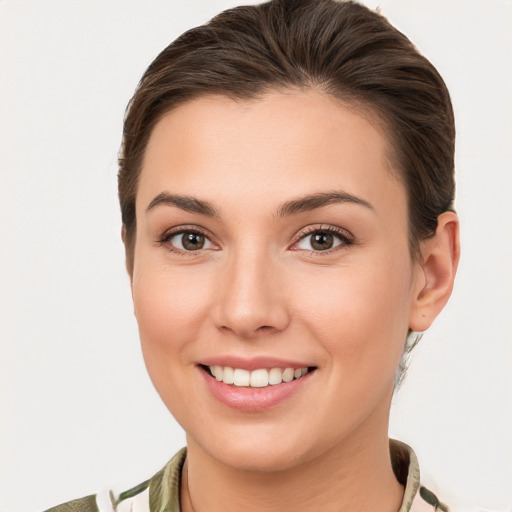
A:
(253, 399)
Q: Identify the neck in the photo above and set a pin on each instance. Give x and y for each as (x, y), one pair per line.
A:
(351, 477)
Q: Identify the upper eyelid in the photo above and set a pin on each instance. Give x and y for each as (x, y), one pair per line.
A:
(308, 230)
(176, 230)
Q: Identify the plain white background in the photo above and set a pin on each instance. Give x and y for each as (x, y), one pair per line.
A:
(77, 411)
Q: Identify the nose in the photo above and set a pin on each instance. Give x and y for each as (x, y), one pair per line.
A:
(250, 299)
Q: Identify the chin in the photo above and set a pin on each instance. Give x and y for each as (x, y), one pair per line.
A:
(254, 457)
(263, 447)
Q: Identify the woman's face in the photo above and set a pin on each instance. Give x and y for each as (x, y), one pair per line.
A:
(272, 234)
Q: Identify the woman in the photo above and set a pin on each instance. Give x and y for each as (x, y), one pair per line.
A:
(286, 188)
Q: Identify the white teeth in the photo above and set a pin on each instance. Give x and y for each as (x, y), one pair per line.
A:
(257, 378)
(228, 376)
(241, 377)
(218, 371)
(275, 376)
(288, 375)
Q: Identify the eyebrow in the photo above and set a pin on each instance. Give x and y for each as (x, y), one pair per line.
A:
(187, 203)
(293, 207)
(314, 201)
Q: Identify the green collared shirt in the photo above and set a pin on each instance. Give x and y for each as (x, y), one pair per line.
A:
(161, 493)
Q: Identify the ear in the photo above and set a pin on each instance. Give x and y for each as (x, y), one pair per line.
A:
(436, 272)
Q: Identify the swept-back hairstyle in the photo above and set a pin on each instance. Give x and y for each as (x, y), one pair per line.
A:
(341, 48)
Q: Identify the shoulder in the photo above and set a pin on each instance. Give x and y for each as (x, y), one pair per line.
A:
(87, 504)
(161, 492)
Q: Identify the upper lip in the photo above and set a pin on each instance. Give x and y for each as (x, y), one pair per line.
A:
(252, 363)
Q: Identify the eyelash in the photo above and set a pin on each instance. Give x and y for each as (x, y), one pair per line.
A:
(343, 236)
(167, 236)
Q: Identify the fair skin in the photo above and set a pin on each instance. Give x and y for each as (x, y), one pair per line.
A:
(265, 278)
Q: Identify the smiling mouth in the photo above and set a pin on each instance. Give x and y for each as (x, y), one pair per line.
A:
(259, 378)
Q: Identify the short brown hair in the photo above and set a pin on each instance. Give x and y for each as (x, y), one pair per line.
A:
(343, 48)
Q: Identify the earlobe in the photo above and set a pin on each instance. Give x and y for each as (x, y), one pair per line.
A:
(440, 255)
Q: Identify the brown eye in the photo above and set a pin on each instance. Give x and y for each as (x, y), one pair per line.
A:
(188, 241)
(322, 241)
(192, 241)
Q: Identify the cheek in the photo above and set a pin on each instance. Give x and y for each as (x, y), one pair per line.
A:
(360, 315)
(169, 307)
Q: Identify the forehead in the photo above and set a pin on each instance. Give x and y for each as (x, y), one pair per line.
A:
(296, 142)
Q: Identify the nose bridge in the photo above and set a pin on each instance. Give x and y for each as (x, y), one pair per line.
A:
(251, 298)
